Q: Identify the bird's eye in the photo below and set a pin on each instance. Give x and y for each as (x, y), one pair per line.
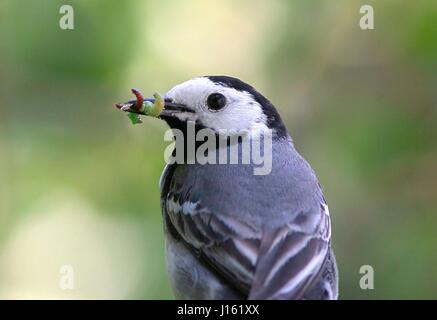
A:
(216, 101)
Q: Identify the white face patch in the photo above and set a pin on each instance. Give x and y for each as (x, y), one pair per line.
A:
(242, 111)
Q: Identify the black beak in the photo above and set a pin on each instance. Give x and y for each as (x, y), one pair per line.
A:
(170, 108)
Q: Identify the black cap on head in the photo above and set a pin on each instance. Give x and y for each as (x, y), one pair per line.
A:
(274, 120)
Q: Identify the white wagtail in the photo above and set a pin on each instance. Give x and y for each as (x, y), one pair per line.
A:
(231, 234)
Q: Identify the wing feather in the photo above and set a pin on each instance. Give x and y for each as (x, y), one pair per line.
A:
(261, 263)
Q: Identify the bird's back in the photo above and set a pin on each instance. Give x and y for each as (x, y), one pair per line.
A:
(229, 193)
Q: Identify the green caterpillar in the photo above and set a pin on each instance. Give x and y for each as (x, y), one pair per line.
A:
(142, 107)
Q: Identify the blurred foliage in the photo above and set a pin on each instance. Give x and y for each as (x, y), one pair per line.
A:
(360, 105)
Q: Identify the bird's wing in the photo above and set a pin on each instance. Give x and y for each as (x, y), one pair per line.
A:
(228, 245)
(261, 264)
(291, 257)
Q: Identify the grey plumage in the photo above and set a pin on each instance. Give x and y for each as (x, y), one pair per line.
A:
(231, 234)
(246, 236)
(326, 287)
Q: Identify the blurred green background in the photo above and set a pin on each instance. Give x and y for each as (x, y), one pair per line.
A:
(79, 183)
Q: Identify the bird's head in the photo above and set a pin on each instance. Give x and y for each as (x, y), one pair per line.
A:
(220, 103)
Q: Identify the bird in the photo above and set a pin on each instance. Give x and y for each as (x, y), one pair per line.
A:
(230, 234)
